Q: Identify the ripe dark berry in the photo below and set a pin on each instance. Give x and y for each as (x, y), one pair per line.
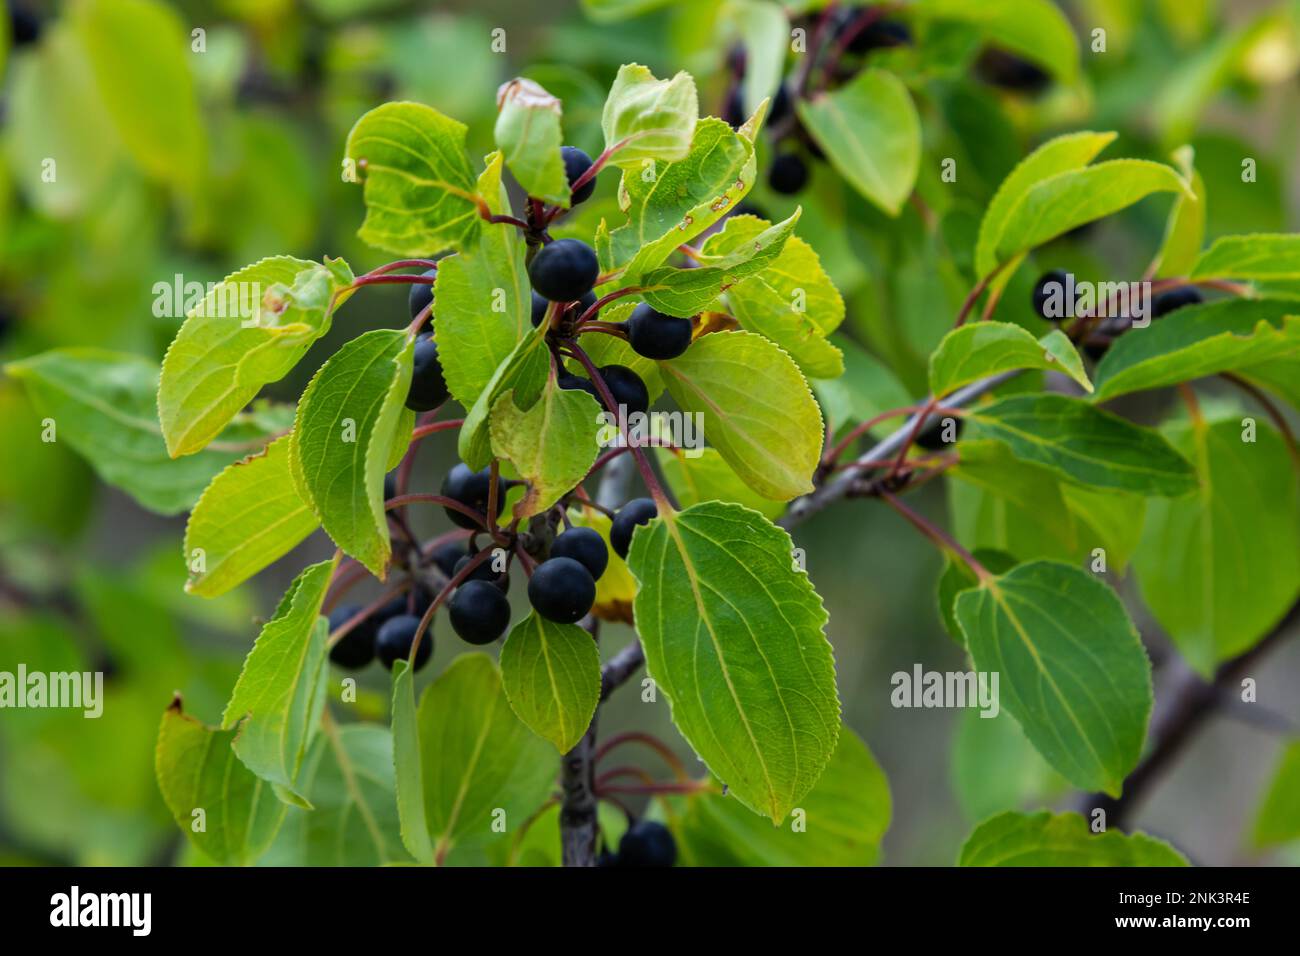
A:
(447, 555)
(561, 590)
(933, 437)
(654, 335)
(999, 68)
(605, 858)
(638, 511)
(626, 388)
(421, 294)
(24, 26)
(788, 174)
(576, 162)
(479, 612)
(565, 270)
(585, 546)
(568, 380)
(357, 648)
(647, 843)
(428, 388)
(484, 572)
(583, 304)
(1167, 302)
(402, 604)
(881, 35)
(540, 305)
(733, 110)
(471, 489)
(390, 485)
(394, 639)
(747, 208)
(1051, 285)
(779, 108)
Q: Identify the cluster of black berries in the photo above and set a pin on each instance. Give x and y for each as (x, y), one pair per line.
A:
(644, 843)
(24, 25)
(858, 33)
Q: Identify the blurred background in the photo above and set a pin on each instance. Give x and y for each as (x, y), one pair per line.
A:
(189, 154)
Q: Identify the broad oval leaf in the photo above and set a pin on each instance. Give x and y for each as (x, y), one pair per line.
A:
(648, 118)
(758, 410)
(733, 636)
(478, 760)
(764, 30)
(1197, 341)
(844, 816)
(1220, 567)
(1266, 256)
(1084, 444)
(278, 698)
(1071, 667)
(419, 188)
(249, 516)
(408, 775)
(343, 438)
(791, 301)
(102, 404)
(529, 136)
(523, 373)
(552, 445)
(986, 348)
(1061, 839)
(551, 676)
(1185, 229)
(701, 474)
(198, 770)
(248, 331)
(871, 134)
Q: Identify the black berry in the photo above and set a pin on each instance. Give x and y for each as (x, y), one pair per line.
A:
(788, 174)
(428, 388)
(779, 108)
(561, 590)
(880, 35)
(479, 612)
(585, 546)
(24, 26)
(638, 511)
(999, 68)
(403, 604)
(447, 555)
(540, 305)
(584, 303)
(576, 162)
(931, 437)
(1167, 302)
(357, 648)
(470, 488)
(421, 294)
(626, 388)
(390, 485)
(484, 572)
(565, 270)
(654, 335)
(605, 858)
(733, 111)
(1051, 284)
(568, 380)
(647, 843)
(393, 642)
(747, 208)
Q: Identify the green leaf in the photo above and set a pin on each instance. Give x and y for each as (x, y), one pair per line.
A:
(791, 301)
(552, 445)
(408, 776)
(871, 134)
(1277, 820)
(478, 758)
(249, 516)
(198, 770)
(102, 404)
(1078, 196)
(249, 331)
(994, 768)
(343, 437)
(958, 577)
(348, 777)
(1071, 151)
(608, 11)
(551, 676)
(524, 373)
(1198, 341)
(419, 188)
(843, 818)
(1072, 669)
(482, 305)
(765, 32)
(701, 474)
(1185, 230)
(1084, 444)
(137, 50)
(668, 204)
(528, 134)
(758, 411)
(733, 636)
(1250, 257)
(686, 292)
(648, 118)
(1062, 839)
(1035, 29)
(1219, 568)
(986, 348)
(278, 698)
